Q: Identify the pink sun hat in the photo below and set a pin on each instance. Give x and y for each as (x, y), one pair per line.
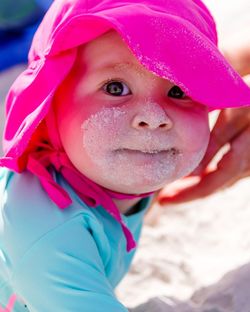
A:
(175, 39)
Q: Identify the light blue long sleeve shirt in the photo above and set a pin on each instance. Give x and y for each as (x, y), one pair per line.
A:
(59, 260)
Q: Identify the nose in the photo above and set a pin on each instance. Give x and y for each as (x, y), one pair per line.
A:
(151, 116)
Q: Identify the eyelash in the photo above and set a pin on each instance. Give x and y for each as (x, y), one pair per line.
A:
(175, 88)
(118, 81)
(178, 90)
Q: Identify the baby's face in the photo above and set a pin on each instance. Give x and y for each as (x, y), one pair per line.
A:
(123, 127)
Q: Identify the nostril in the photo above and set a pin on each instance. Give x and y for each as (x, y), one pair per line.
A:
(151, 122)
(166, 125)
(143, 124)
(163, 126)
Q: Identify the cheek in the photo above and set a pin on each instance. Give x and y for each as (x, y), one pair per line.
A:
(194, 131)
(102, 134)
(69, 121)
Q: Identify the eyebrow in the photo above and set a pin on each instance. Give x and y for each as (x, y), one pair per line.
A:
(119, 66)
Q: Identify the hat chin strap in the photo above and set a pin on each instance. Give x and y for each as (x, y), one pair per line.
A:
(46, 158)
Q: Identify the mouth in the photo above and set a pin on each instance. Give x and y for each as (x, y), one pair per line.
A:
(143, 157)
(171, 151)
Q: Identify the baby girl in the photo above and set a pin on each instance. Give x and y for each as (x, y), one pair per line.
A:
(113, 106)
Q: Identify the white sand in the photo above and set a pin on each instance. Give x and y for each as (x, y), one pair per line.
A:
(192, 246)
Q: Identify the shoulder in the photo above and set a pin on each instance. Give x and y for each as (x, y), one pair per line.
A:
(24, 200)
(27, 214)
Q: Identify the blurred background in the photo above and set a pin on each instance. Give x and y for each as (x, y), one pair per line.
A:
(18, 22)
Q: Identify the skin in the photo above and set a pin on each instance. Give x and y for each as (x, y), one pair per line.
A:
(233, 129)
(134, 142)
(239, 58)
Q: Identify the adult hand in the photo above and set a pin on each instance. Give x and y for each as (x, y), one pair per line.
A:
(233, 128)
(239, 57)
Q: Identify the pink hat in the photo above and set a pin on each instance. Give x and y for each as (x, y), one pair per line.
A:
(175, 39)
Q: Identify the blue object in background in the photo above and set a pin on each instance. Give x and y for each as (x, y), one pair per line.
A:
(18, 23)
(45, 4)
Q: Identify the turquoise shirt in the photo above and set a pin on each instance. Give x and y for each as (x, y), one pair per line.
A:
(59, 260)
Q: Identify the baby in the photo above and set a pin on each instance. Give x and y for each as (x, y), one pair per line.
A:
(113, 105)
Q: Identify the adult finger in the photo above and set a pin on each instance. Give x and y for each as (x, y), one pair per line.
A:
(239, 58)
(246, 78)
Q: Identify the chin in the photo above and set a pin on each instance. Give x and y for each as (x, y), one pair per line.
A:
(138, 189)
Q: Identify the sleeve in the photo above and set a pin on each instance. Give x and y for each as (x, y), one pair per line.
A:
(63, 271)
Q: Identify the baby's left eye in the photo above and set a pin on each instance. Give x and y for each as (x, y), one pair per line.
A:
(116, 88)
(176, 92)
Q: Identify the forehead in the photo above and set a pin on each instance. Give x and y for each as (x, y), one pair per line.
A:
(108, 50)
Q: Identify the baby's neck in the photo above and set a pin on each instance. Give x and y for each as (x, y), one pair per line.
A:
(126, 204)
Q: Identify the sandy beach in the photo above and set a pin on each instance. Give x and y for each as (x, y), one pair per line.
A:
(191, 246)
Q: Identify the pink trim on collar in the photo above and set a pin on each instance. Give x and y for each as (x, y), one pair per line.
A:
(91, 193)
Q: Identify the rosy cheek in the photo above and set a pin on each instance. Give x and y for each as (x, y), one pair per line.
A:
(202, 133)
(194, 131)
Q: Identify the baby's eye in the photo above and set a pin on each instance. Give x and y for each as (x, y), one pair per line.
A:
(116, 88)
(176, 92)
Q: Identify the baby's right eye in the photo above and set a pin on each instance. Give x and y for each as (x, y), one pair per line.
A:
(176, 93)
(116, 88)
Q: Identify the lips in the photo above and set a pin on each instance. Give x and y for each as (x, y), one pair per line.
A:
(151, 157)
(172, 151)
